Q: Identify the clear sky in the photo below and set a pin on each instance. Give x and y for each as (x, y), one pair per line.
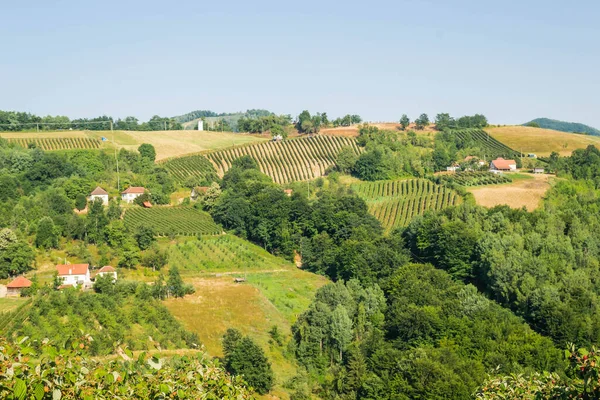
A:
(512, 60)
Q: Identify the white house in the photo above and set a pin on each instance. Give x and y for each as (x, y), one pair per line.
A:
(500, 164)
(74, 275)
(131, 193)
(99, 193)
(108, 270)
(453, 168)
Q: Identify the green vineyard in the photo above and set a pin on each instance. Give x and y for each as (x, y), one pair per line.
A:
(183, 221)
(473, 178)
(396, 203)
(490, 147)
(286, 161)
(197, 166)
(48, 144)
(223, 253)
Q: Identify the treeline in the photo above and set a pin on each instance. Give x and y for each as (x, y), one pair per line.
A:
(276, 124)
(446, 121)
(22, 121)
(395, 329)
(252, 113)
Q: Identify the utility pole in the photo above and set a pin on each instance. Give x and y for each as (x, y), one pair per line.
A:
(116, 158)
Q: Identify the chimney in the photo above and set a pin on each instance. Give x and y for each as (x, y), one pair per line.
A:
(70, 271)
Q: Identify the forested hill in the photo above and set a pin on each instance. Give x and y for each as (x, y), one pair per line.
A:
(563, 126)
(189, 120)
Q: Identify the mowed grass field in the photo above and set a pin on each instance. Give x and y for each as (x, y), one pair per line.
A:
(167, 143)
(525, 191)
(541, 141)
(275, 293)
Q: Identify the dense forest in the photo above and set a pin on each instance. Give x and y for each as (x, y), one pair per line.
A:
(572, 127)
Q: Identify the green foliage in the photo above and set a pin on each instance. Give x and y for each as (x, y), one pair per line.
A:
(104, 284)
(118, 319)
(155, 259)
(422, 121)
(245, 358)
(81, 201)
(192, 171)
(473, 178)
(64, 372)
(264, 123)
(147, 151)
(46, 235)
(144, 236)
(175, 285)
(404, 121)
(563, 126)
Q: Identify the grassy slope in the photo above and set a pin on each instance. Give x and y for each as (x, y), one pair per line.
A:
(167, 143)
(541, 141)
(526, 190)
(275, 293)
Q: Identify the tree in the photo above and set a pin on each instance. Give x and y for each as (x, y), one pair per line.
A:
(278, 130)
(422, 121)
(80, 202)
(114, 210)
(159, 289)
(46, 236)
(130, 255)
(404, 121)
(346, 159)
(144, 236)
(444, 121)
(341, 328)
(211, 196)
(155, 259)
(175, 285)
(245, 358)
(104, 284)
(147, 151)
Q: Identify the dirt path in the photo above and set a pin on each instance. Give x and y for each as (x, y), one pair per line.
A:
(526, 193)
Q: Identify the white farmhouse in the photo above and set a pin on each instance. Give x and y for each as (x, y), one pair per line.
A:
(75, 275)
(108, 270)
(500, 164)
(131, 193)
(99, 193)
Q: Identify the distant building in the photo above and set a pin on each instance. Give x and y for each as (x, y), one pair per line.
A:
(132, 193)
(200, 125)
(531, 155)
(277, 138)
(147, 204)
(288, 192)
(500, 164)
(99, 193)
(480, 162)
(107, 270)
(538, 170)
(14, 288)
(76, 275)
(453, 168)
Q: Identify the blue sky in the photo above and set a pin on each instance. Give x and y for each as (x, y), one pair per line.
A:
(510, 60)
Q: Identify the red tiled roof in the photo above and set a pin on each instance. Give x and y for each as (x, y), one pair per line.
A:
(469, 158)
(134, 189)
(106, 268)
(72, 269)
(20, 282)
(147, 204)
(99, 192)
(501, 163)
(288, 191)
(202, 189)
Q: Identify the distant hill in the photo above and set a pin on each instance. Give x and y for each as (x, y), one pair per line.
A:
(190, 120)
(572, 127)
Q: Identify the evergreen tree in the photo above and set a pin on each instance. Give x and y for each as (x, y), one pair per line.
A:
(80, 202)
(46, 236)
(175, 284)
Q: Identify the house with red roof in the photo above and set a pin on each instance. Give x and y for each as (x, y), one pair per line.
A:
(99, 193)
(501, 165)
(74, 275)
(13, 289)
(132, 193)
(107, 270)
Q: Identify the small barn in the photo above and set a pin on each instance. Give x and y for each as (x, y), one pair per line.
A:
(107, 270)
(99, 193)
(198, 191)
(13, 289)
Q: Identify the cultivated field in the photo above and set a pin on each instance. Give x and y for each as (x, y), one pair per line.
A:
(473, 178)
(166, 221)
(61, 143)
(167, 143)
(396, 203)
(489, 146)
(520, 193)
(287, 161)
(196, 165)
(541, 141)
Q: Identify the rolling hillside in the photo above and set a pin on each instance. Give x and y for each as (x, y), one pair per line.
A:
(563, 126)
(291, 160)
(395, 203)
(541, 141)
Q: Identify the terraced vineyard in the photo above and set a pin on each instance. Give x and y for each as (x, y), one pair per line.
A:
(474, 178)
(223, 253)
(286, 161)
(197, 165)
(57, 143)
(490, 147)
(396, 203)
(184, 221)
